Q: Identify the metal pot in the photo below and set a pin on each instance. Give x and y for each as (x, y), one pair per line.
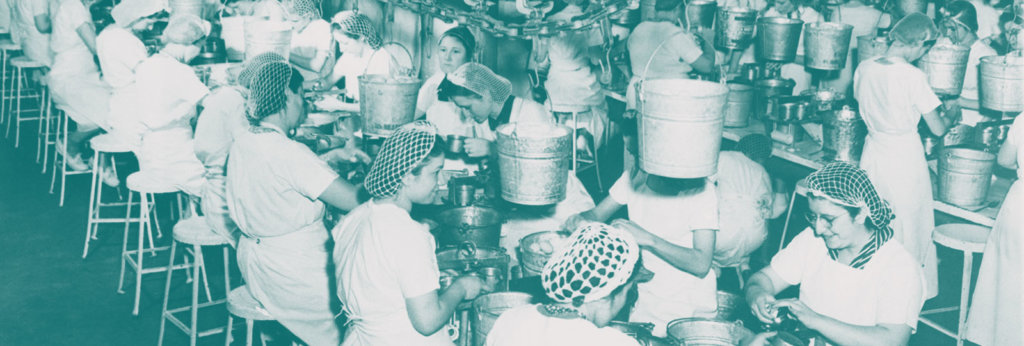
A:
(766, 88)
(704, 331)
(455, 144)
(489, 307)
(476, 225)
(729, 305)
(824, 100)
(843, 134)
(641, 332)
(462, 191)
(789, 109)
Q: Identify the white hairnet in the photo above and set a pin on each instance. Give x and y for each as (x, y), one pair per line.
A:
(185, 29)
(129, 11)
(481, 80)
(358, 24)
(405, 149)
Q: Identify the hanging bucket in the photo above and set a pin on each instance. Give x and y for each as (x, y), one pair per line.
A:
(739, 104)
(843, 134)
(1002, 79)
(765, 89)
(179, 7)
(534, 161)
(870, 46)
(701, 13)
(680, 127)
(735, 27)
(826, 45)
(263, 36)
(905, 7)
(487, 309)
(386, 103)
(778, 38)
(945, 66)
(964, 176)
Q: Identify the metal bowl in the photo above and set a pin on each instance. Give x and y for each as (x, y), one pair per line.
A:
(711, 332)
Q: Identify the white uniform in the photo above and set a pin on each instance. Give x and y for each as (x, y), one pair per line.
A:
(5, 15)
(678, 49)
(744, 205)
(272, 187)
(427, 95)
(893, 95)
(572, 86)
(352, 66)
(383, 257)
(314, 41)
(120, 52)
(865, 21)
(887, 290)
(517, 226)
(74, 77)
(222, 119)
(672, 293)
(525, 325)
(36, 45)
(969, 93)
(523, 110)
(997, 310)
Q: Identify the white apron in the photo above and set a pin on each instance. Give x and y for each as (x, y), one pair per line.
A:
(214, 204)
(896, 166)
(167, 154)
(76, 87)
(742, 228)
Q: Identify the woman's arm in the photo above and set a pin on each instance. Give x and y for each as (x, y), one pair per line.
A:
(341, 194)
(696, 260)
(430, 312)
(43, 24)
(847, 334)
(1008, 152)
(88, 34)
(760, 293)
(601, 213)
(937, 123)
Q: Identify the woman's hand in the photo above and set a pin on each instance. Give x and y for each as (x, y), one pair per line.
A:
(473, 286)
(573, 222)
(801, 312)
(643, 237)
(763, 307)
(476, 147)
(348, 154)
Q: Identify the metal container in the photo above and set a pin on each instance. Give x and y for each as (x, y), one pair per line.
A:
(729, 306)
(680, 127)
(701, 13)
(778, 38)
(477, 225)
(789, 109)
(387, 103)
(263, 36)
(765, 89)
(752, 72)
(735, 28)
(467, 259)
(826, 45)
(641, 332)
(487, 309)
(964, 176)
(739, 104)
(534, 161)
(843, 134)
(180, 7)
(455, 144)
(703, 331)
(870, 46)
(945, 65)
(992, 134)
(1002, 79)
(462, 191)
(823, 100)
(535, 250)
(905, 7)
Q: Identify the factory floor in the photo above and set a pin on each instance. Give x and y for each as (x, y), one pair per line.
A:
(50, 295)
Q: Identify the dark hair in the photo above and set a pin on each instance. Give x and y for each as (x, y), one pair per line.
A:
(464, 36)
(666, 5)
(447, 90)
(295, 83)
(100, 12)
(337, 27)
(674, 186)
(435, 151)
(963, 12)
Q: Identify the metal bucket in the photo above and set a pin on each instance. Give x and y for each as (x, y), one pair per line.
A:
(778, 38)
(734, 27)
(739, 104)
(535, 250)
(193, 7)
(870, 46)
(843, 134)
(729, 306)
(476, 225)
(263, 36)
(905, 7)
(387, 103)
(703, 331)
(680, 127)
(701, 13)
(824, 99)
(1002, 79)
(534, 161)
(964, 176)
(487, 309)
(945, 66)
(765, 89)
(506, 10)
(826, 45)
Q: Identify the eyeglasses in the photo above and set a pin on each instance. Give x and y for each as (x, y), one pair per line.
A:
(813, 218)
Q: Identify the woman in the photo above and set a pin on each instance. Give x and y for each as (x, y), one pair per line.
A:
(894, 96)
(361, 50)
(311, 39)
(581, 309)
(960, 25)
(456, 47)
(866, 20)
(388, 279)
(856, 286)
(32, 26)
(745, 201)
(276, 190)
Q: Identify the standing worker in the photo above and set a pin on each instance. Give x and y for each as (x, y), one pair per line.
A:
(960, 26)
(311, 39)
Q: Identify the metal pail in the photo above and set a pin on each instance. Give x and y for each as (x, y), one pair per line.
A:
(905, 7)
(778, 38)
(870, 46)
(232, 31)
(765, 89)
(826, 45)
(386, 103)
(704, 331)
(487, 309)
(964, 176)
(680, 127)
(945, 65)
(734, 27)
(477, 225)
(535, 250)
(1002, 79)
(729, 305)
(843, 133)
(263, 36)
(701, 13)
(739, 104)
(193, 7)
(534, 161)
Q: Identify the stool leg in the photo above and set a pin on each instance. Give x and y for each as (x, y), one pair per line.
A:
(965, 296)
(227, 330)
(197, 266)
(167, 293)
(206, 282)
(124, 245)
(46, 135)
(785, 225)
(143, 228)
(17, 112)
(248, 332)
(93, 212)
(64, 161)
(56, 155)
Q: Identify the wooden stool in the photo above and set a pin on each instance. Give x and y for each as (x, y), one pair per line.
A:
(102, 145)
(20, 90)
(242, 304)
(60, 155)
(194, 231)
(968, 239)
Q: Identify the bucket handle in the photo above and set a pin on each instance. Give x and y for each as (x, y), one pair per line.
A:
(643, 77)
(394, 61)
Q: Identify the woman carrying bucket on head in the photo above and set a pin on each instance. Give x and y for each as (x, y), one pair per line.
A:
(960, 27)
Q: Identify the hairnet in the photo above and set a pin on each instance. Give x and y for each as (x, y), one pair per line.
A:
(358, 24)
(267, 90)
(755, 146)
(848, 185)
(913, 29)
(251, 66)
(482, 81)
(598, 259)
(401, 152)
(129, 11)
(464, 36)
(185, 29)
(305, 8)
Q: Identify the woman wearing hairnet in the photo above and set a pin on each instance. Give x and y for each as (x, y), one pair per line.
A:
(856, 286)
(456, 47)
(276, 190)
(362, 52)
(311, 39)
(894, 96)
(960, 27)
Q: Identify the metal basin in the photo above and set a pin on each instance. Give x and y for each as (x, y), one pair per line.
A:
(477, 225)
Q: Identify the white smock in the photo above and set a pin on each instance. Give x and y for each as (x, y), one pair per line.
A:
(74, 78)
(383, 257)
(223, 118)
(672, 293)
(427, 95)
(272, 186)
(351, 66)
(571, 84)
(525, 325)
(744, 205)
(997, 310)
(119, 53)
(969, 93)
(34, 44)
(865, 21)
(518, 225)
(313, 41)
(676, 50)
(887, 290)
(893, 95)
(5, 15)
(167, 94)
(523, 111)
(988, 19)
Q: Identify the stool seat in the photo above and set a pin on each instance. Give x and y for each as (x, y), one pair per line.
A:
(109, 143)
(25, 62)
(145, 182)
(8, 45)
(963, 237)
(195, 231)
(242, 304)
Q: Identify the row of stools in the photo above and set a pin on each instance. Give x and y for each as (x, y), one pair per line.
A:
(191, 232)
